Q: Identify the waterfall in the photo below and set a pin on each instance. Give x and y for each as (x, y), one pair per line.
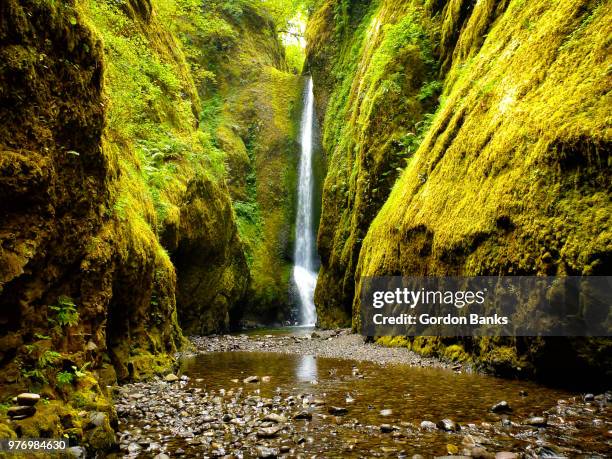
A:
(304, 273)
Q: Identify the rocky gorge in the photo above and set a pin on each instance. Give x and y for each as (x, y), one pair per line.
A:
(150, 158)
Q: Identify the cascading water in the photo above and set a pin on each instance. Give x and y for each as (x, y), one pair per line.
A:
(304, 273)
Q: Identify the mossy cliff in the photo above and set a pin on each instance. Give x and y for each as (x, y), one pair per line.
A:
(117, 222)
(506, 172)
(251, 107)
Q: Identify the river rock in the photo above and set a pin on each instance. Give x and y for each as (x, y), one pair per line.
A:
(386, 428)
(21, 412)
(265, 452)
(76, 451)
(162, 456)
(266, 379)
(523, 393)
(589, 397)
(268, 432)
(171, 377)
(506, 455)
(501, 407)
(251, 380)
(428, 425)
(273, 417)
(337, 410)
(28, 399)
(134, 447)
(448, 425)
(536, 421)
(479, 452)
(386, 412)
(303, 415)
(97, 418)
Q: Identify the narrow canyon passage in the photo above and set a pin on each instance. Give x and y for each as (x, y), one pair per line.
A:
(197, 195)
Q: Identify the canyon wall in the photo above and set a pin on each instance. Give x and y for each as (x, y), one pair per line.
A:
(464, 138)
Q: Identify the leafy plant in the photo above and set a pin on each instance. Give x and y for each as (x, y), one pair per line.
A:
(65, 378)
(48, 358)
(66, 313)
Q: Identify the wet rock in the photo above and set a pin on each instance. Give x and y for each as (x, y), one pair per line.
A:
(134, 447)
(161, 456)
(386, 412)
(227, 418)
(171, 377)
(536, 421)
(97, 418)
(386, 428)
(501, 407)
(448, 425)
(589, 397)
(523, 393)
(506, 455)
(251, 380)
(265, 452)
(269, 432)
(21, 412)
(76, 451)
(479, 452)
(28, 399)
(285, 449)
(306, 415)
(337, 410)
(266, 379)
(428, 425)
(273, 417)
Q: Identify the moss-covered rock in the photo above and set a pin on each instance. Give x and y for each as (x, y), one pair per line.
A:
(508, 175)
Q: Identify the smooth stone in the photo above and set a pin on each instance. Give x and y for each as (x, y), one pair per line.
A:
(501, 407)
(536, 421)
(265, 452)
(273, 417)
(268, 432)
(337, 410)
(266, 379)
(386, 428)
(161, 456)
(303, 415)
(171, 377)
(589, 397)
(133, 447)
(28, 399)
(251, 379)
(227, 417)
(481, 453)
(386, 412)
(506, 455)
(24, 410)
(448, 425)
(76, 451)
(428, 425)
(97, 418)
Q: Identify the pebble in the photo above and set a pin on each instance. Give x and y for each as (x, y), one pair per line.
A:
(448, 425)
(337, 410)
(171, 377)
(501, 407)
(251, 380)
(428, 425)
(21, 412)
(303, 415)
(28, 399)
(536, 421)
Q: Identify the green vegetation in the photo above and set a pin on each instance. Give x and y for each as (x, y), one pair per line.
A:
(496, 162)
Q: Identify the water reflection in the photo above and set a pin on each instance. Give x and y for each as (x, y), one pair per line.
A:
(306, 368)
